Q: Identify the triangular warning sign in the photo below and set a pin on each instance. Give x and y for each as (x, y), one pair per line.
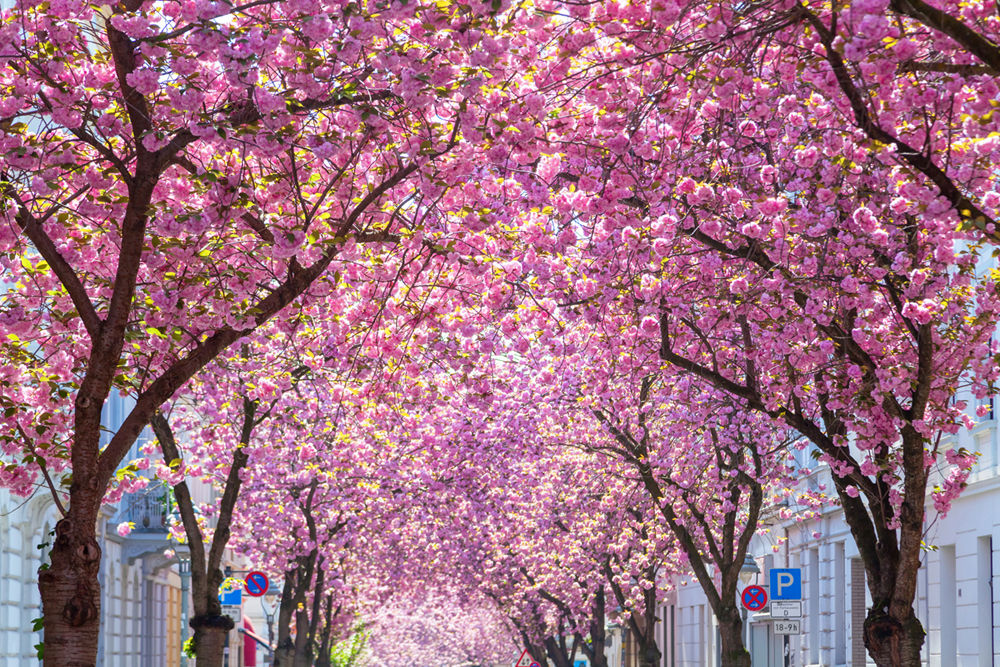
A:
(526, 660)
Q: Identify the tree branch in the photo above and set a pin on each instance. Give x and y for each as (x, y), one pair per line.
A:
(943, 22)
(965, 208)
(231, 491)
(67, 275)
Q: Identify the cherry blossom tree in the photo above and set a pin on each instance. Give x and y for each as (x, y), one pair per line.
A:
(441, 627)
(789, 202)
(710, 469)
(174, 175)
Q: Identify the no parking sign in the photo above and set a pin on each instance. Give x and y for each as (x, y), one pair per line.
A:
(754, 598)
(256, 584)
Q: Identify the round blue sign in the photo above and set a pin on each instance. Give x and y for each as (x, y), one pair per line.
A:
(256, 584)
(754, 598)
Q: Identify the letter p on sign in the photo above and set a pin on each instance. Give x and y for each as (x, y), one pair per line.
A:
(786, 583)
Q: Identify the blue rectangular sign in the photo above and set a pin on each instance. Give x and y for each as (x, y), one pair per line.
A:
(786, 583)
(233, 597)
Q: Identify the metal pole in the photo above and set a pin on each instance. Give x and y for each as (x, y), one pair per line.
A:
(746, 628)
(269, 612)
(185, 571)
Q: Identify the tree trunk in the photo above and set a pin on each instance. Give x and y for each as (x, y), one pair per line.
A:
(211, 641)
(327, 641)
(303, 654)
(70, 589)
(892, 641)
(734, 652)
(557, 653)
(892, 633)
(649, 653)
(598, 638)
(285, 649)
(209, 624)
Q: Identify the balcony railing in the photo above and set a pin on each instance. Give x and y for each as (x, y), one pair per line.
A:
(148, 509)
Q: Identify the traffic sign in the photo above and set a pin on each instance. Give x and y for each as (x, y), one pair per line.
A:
(230, 595)
(788, 627)
(754, 598)
(786, 583)
(786, 609)
(526, 660)
(256, 584)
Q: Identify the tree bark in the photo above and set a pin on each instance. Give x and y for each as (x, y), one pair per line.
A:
(209, 624)
(210, 633)
(557, 653)
(597, 651)
(727, 551)
(70, 589)
(734, 653)
(325, 645)
(285, 649)
(649, 652)
(892, 641)
(892, 633)
(297, 652)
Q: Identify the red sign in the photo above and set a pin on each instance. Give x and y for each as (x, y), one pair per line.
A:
(256, 584)
(526, 660)
(754, 598)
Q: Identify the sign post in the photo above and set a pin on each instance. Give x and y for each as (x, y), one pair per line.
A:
(786, 583)
(786, 609)
(789, 627)
(786, 596)
(231, 598)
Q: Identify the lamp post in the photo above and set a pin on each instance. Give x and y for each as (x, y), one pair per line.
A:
(269, 605)
(748, 570)
(184, 569)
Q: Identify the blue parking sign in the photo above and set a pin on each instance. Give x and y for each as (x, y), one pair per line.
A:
(786, 583)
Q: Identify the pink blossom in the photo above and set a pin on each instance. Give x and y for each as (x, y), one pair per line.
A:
(920, 312)
(145, 81)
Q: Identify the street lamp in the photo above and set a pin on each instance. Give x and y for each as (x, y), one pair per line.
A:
(749, 569)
